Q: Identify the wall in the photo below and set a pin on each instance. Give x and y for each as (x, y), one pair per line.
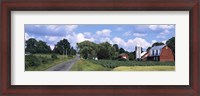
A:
(166, 54)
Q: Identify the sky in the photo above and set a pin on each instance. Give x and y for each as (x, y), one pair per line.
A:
(127, 36)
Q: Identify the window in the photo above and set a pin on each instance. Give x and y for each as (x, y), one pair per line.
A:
(156, 52)
(153, 53)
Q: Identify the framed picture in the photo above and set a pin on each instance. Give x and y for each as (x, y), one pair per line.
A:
(121, 47)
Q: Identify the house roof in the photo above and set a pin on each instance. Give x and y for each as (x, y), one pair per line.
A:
(156, 50)
(157, 47)
(143, 53)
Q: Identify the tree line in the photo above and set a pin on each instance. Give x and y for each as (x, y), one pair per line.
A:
(87, 49)
(105, 50)
(62, 47)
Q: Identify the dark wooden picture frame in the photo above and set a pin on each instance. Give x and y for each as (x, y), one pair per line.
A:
(193, 89)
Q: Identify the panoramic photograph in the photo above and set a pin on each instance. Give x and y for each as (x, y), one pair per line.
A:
(99, 47)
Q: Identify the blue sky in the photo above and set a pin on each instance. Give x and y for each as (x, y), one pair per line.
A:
(126, 36)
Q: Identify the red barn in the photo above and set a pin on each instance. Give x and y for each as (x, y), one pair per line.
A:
(160, 53)
(123, 56)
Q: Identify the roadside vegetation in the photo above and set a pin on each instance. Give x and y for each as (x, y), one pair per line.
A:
(40, 62)
(39, 56)
(115, 65)
(85, 65)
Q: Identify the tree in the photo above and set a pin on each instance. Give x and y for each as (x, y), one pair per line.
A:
(85, 52)
(105, 51)
(116, 48)
(131, 55)
(115, 55)
(171, 44)
(62, 47)
(34, 46)
(31, 45)
(72, 51)
(121, 50)
(42, 47)
(157, 44)
(87, 48)
(148, 49)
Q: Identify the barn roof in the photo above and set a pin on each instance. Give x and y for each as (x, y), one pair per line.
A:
(158, 47)
(143, 53)
(156, 50)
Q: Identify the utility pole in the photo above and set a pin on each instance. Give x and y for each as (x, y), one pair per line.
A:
(63, 51)
(66, 52)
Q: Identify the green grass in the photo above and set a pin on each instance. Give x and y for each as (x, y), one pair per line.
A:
(115, 63)
(51, 62)
(85, 65)
(145, 68)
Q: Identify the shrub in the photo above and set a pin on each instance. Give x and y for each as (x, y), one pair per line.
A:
(54, 56)
(45, 60)
(31, 60)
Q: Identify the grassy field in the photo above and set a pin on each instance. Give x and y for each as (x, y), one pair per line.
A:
(85, 65)
(145, 68)
(46, 61)
(115, 65)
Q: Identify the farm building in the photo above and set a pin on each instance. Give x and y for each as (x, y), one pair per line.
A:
(159, 53)
(123, 56)
(144, 56)
(138, 51)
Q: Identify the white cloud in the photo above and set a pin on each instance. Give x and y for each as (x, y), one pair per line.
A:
(51, 46)
(80, 38)
(104, 32)
(139, 42)
(163, 34)
(128, 33)
(27, 36)
(165, 27)
(153, 27)
(53, 27)
(70, 28)
(139, 34)
(87, 34)
(153, 41)
(166, 32)
(106, 40)
(37, 25)
(160, 36)
(119, 41)
(131, 43)
(119, 29)
(67, 28)
(52, 38)
(164, 41)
